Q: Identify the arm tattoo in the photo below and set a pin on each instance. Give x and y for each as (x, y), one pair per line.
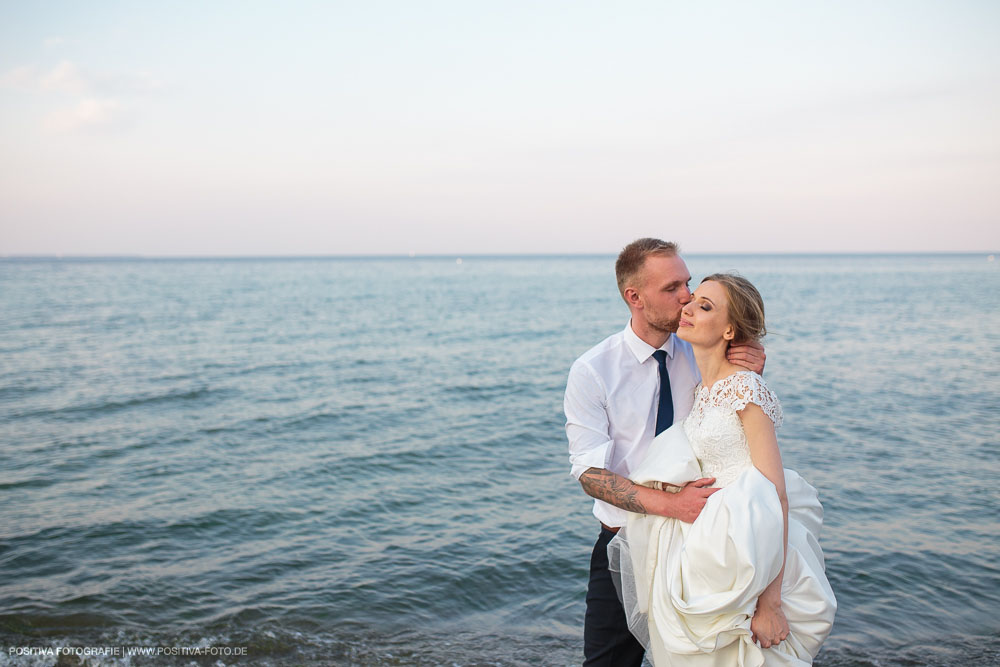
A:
(611, 488)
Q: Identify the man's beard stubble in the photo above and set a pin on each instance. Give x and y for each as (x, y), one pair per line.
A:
(668, 326)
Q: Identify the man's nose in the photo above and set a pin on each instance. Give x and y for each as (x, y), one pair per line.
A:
(686, 295)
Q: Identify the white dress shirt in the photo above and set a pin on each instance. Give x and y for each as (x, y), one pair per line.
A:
(611, 399)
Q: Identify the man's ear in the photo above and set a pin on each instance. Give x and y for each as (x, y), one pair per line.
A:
(632, 297)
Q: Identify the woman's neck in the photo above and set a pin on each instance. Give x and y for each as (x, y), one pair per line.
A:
(712, 363)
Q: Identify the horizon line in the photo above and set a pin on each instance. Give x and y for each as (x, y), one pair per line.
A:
(453, 256)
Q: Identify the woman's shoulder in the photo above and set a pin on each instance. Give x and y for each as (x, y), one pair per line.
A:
(744, 387)
(740, 381)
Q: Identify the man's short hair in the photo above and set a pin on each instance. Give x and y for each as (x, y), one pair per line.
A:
(633, 256)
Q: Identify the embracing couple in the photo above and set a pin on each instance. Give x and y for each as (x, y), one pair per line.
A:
(708, 552)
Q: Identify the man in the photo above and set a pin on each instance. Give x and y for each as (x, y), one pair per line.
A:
(620, 394)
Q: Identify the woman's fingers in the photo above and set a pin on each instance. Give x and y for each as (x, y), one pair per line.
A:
(767, 642)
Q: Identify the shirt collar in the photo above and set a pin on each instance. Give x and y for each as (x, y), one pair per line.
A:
(643, 350)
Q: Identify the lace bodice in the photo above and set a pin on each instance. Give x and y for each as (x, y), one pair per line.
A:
(715, 430)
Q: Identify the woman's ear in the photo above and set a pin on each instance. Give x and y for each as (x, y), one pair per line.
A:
(730, 333)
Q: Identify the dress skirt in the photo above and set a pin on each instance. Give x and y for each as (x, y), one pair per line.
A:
(690, 589)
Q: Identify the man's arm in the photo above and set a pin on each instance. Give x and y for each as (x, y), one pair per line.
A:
(749, 355)
(588, 430)
(622, 492)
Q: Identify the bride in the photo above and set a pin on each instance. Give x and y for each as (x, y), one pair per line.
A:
(745, 583)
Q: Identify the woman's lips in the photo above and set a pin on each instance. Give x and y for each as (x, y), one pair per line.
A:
(684, 323)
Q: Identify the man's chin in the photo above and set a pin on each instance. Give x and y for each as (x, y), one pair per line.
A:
(669, 327)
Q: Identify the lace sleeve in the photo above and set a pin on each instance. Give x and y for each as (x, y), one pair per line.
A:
(748, 387)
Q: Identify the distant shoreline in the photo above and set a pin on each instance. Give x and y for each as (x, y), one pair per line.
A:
(454, 256)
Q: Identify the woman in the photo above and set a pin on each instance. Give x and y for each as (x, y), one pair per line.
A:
(744, 584)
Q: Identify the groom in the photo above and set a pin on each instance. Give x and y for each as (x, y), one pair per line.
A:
(620, 394)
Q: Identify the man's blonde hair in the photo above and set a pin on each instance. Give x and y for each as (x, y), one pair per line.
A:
(633, 256)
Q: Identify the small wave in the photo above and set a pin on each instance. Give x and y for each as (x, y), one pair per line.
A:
(113, 406)
(29, 483)
(17, 391)
(315, 420)
(264, 368)
(951, 651)
(488, 392)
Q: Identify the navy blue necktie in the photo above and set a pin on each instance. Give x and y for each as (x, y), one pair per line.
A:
(665, 410)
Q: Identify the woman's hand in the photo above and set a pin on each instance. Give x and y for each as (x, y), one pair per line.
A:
(768, 625)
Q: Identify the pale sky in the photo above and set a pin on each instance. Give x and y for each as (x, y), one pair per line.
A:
(370, 127)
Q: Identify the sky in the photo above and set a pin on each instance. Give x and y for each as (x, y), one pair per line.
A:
(431, 127)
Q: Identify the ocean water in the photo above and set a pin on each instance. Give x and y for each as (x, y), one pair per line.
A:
(363, 462)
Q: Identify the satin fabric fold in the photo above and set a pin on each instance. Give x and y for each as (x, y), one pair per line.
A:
(690, 590)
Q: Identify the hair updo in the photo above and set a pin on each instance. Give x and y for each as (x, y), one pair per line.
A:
(746, 307)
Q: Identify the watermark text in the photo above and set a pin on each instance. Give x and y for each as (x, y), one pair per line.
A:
(123, 650)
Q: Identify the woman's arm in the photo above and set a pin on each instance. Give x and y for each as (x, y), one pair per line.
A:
(768, 625)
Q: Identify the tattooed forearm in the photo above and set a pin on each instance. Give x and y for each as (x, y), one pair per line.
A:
(611, 488)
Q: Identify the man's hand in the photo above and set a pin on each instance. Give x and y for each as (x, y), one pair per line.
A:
(621, 492)
(749, 355)
(768, 625)
(691, 499)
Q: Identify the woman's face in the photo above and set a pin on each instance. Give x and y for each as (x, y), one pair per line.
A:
(705, 320)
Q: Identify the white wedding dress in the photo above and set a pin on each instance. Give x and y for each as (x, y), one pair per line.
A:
(690, 589)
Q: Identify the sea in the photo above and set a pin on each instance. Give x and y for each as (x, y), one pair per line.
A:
(362, 461)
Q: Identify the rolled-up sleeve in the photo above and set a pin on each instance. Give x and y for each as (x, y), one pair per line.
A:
(587, 426)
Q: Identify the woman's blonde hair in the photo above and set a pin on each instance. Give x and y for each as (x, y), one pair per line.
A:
(746, 307)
